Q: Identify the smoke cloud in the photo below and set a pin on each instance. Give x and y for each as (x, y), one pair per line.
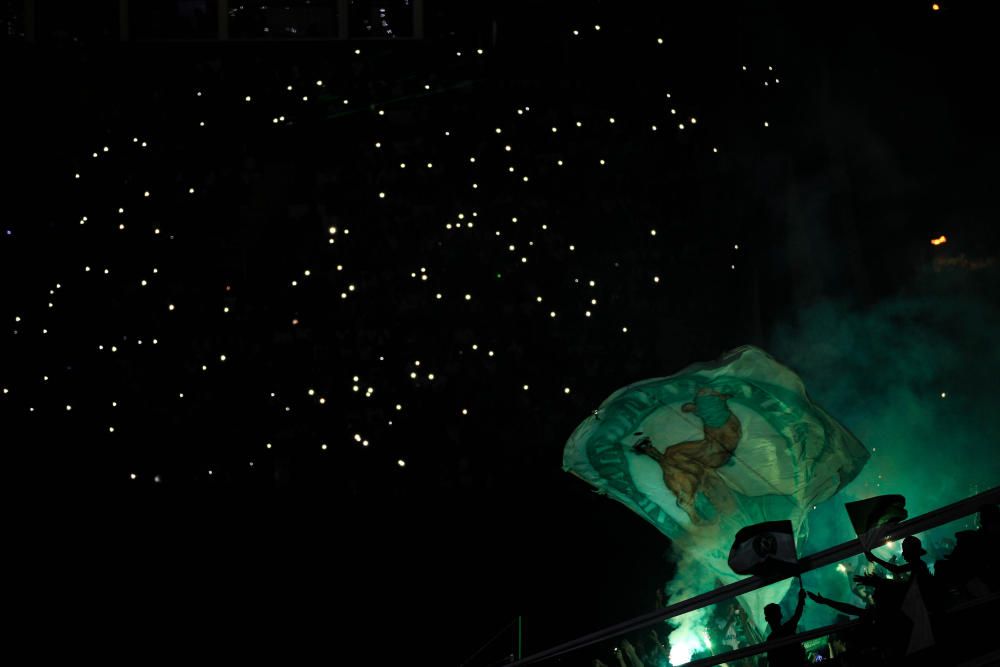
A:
(914, 378)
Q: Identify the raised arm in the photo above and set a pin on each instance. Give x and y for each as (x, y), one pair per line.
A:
(633, 657)
(794, 620)
(836, 604)
(892, 567)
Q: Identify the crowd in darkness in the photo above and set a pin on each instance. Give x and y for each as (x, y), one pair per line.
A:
(244, 204)
(267, 194)
(907, 614)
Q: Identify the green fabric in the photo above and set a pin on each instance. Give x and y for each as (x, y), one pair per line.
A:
(786, 456)
(712, 410)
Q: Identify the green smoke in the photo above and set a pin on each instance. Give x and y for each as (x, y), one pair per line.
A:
(914, 378)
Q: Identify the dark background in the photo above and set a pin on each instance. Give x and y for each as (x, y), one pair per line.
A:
(882, 135)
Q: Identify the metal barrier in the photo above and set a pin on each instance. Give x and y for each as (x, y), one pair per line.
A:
(820, 559)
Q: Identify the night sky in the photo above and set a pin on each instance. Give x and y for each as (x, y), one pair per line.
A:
(294, 333)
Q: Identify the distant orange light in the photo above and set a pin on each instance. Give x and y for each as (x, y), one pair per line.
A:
(936, 7)
(296, 322)
(939, 240)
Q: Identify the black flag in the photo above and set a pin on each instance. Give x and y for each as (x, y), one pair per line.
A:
(764, 548)
(874, 512)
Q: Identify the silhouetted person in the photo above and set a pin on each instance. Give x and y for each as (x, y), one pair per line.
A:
(912, 551)
(881, 630)
(921, 598)
(915, 567)
(888, 629)
(973, 562)
(787, 656)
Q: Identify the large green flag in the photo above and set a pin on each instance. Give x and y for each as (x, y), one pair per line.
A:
(715, 448)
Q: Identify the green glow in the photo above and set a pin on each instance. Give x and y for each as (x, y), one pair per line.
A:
(683, 645)
(709, 450)
(915, 378)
